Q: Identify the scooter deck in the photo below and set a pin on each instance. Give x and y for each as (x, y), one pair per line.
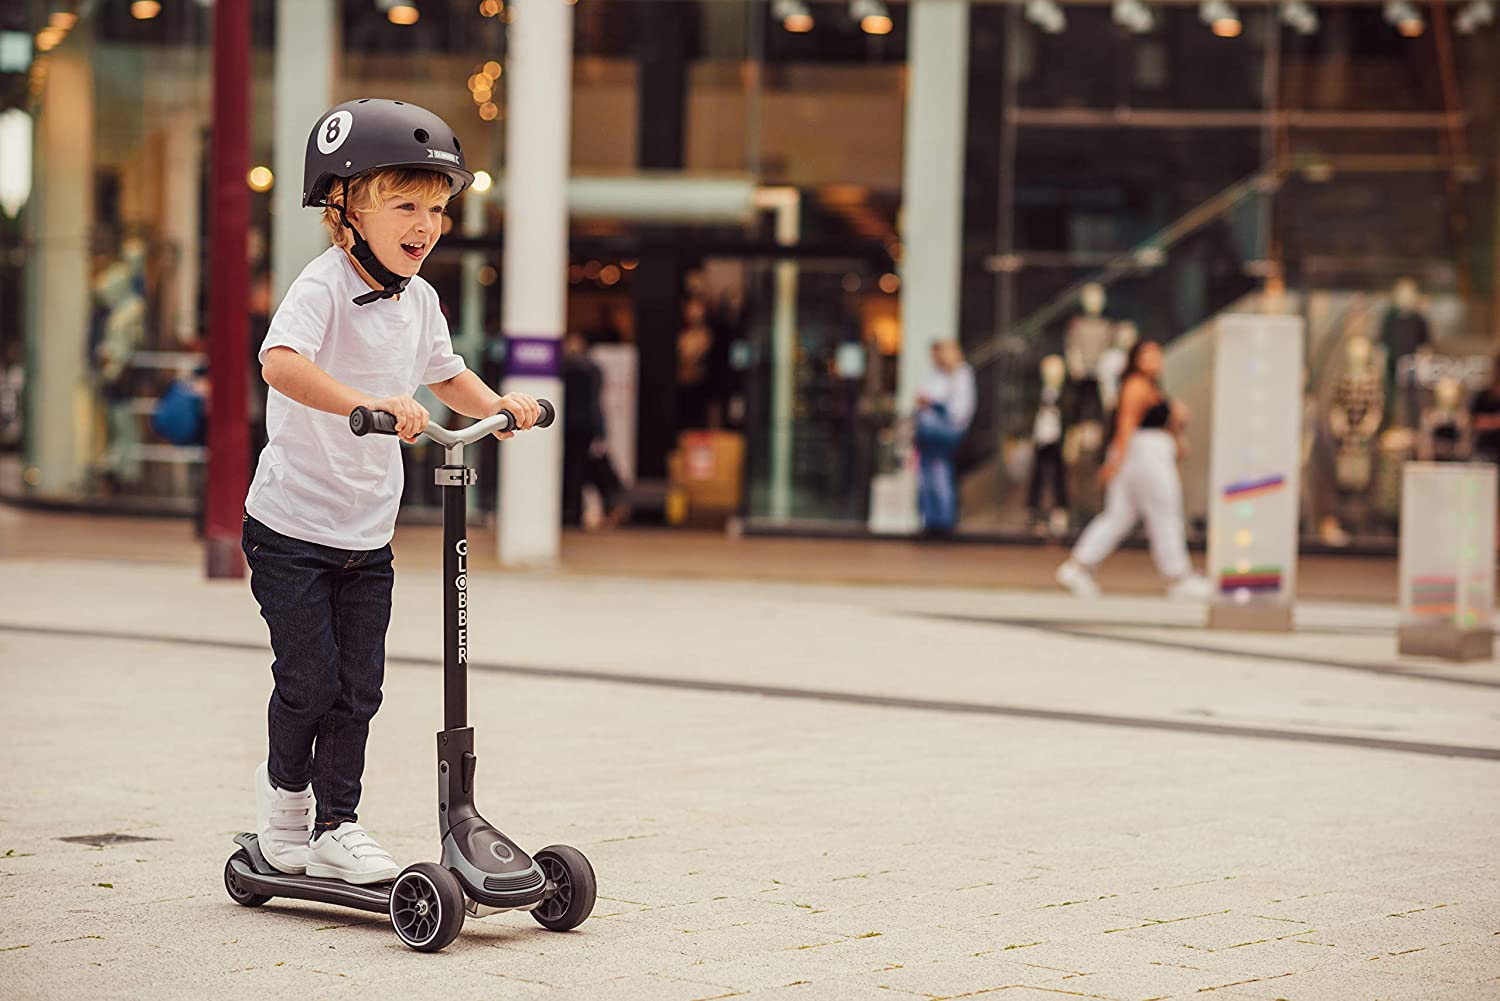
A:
(264, 878)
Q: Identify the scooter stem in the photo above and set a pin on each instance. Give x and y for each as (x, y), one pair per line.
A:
(493, 870)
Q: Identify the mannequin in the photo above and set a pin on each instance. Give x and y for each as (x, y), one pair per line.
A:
(1048, 428)
(1355, 414)
(121, 329)
(1404, 332)
(1112, 363)
(1089, 335)
(1445, 425)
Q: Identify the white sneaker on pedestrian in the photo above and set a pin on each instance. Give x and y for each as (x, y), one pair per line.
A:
(349, 853)
(1191, 588)
(1076, 578)
(283, 823)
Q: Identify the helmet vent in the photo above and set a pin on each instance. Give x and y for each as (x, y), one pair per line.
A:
(364, 100)
(456, 147)
(421, 136)
(398, 102)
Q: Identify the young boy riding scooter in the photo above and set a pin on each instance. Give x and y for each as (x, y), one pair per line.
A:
(357, 328)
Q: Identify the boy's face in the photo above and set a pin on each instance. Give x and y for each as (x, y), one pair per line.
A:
(402, 232)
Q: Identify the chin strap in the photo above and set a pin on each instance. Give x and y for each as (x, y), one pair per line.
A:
(393, 283)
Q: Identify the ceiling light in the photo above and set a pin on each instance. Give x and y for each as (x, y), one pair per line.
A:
(1475, 15)
(482, 181)
(1406, 18)
(1219, 16)
(64, 19)
(1300, 17)
(872, 15)
(15, 160)
(1046, 15)
(793, 15)
(260, 179)
(1133, 15)
(144, 10)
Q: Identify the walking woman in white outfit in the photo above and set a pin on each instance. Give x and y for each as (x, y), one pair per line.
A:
(1141, 481)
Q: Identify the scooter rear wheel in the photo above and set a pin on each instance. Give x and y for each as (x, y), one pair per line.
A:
(573, 876)
(427, 907)
(238, 892)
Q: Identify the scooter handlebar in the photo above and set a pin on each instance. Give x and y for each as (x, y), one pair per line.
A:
(363, 421)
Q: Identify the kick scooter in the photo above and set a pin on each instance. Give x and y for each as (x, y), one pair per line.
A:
(482, 871)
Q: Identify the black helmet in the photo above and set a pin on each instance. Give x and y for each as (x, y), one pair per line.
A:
(370, 134)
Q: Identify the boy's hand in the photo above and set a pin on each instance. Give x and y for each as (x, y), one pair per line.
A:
(524, 408)
(411, 416)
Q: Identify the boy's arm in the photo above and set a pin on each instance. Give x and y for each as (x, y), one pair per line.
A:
(298, 378)
(294, 376)
(467, 394)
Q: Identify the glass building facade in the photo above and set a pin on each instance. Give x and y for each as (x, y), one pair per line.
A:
(1188, 169)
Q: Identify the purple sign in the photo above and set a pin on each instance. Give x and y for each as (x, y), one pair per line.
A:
(534, 356)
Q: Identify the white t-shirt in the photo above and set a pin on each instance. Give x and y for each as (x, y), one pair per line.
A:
(316, 481)
(955, 391)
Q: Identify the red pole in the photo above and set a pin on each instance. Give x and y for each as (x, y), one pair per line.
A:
(229, 292)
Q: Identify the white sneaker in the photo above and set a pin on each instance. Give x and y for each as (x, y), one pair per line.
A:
(1191, 588)
(349, 853)
(1076, 578)
(283, 823)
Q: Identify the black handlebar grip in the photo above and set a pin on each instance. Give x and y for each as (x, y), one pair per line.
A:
(363, 421)
(549, 414)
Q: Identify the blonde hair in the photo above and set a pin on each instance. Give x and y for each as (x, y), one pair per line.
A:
(369, 192)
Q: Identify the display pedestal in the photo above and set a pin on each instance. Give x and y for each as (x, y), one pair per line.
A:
(1254, 468)
(1443, 639)
(1251, 618)
(1447, 560)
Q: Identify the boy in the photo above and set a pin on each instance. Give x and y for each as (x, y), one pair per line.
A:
(357, 327)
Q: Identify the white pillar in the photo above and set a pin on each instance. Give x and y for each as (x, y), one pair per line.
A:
(182, 170)
(306, 41)
(539, 80)
(932, 187)
(59, 412)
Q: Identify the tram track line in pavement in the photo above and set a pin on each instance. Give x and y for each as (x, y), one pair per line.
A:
(1105, 632)
(1466, 751)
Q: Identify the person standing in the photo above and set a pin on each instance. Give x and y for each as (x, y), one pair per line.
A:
(945, 407)
(585, 457)
(1141, 482)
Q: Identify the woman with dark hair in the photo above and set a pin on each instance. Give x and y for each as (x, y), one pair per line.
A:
(1141, 481)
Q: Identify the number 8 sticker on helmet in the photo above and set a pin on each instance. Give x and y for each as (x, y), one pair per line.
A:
(333, 131)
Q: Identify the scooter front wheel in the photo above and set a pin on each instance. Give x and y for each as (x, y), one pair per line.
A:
(238, 892)
(573, 876)
(427, 907)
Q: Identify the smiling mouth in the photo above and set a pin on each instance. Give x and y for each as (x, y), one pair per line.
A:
(414, 250)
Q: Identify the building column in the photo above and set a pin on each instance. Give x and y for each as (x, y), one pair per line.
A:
(539, 85)
(932, 186)
(661, 138)
(306, 44)
(59, 284)
(180, 221)
(229, 294)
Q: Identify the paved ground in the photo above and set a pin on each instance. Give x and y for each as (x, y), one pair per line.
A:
(788, 791)
(682, 553)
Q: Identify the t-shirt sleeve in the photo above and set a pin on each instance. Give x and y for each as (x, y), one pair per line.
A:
(442, 362)
(302, 320)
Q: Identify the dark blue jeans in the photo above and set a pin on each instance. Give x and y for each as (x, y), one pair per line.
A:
(937, 443)
(327, 610)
